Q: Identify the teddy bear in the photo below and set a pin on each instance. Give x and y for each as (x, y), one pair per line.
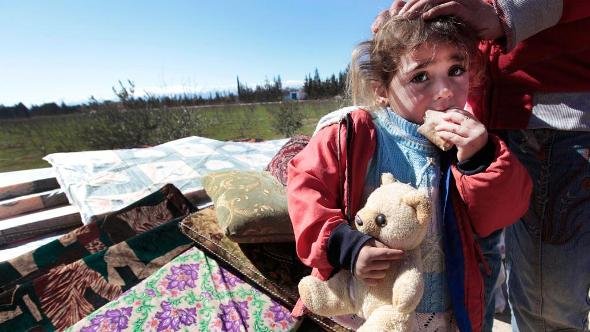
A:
(397, 215)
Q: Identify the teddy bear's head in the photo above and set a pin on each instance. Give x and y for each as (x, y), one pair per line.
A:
(396, 214)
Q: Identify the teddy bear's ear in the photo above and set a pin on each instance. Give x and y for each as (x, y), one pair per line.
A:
(420, 202)
(387, 178)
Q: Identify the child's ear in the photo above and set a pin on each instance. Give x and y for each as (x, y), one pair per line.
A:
(380, 92)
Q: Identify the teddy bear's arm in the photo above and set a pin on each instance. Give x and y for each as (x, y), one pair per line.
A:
(408, 287)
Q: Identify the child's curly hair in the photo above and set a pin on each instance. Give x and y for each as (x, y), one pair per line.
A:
(377, 60)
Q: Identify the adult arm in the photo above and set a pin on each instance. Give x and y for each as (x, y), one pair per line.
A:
(515, 20)
(522, 19)
(480, 14)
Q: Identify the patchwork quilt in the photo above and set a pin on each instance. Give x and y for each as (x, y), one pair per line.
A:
(63, 281)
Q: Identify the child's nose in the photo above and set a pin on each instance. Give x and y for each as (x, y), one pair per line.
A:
(444, 93)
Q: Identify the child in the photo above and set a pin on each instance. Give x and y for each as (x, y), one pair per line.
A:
(410, 70)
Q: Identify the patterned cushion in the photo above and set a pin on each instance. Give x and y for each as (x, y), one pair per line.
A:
(251, 206)
(278, 164)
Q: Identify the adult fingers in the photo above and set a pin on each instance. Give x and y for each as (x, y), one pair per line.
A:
(407, 5)
(447, 8)
(413, 8)
(480, 14)
(396, 6)
(379, 20)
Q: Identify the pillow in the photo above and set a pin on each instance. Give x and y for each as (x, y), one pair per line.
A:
(251, 206)
(278, 164)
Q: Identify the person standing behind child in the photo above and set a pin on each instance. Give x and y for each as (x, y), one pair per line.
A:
(538, 91)
(410, 70)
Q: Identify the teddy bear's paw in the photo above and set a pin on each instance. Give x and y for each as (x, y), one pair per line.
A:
(323, 298)
(306, 292)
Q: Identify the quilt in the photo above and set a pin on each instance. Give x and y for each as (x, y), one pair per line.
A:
(63, 281)
(191, 293)
(147, 213)
(98, 182)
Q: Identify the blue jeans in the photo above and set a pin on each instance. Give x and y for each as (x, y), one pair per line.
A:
(548, 250)
(491, 251)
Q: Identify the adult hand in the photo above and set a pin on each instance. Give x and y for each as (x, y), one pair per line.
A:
(386, 14)
(373, 261)
(479, 14)
(464, 130)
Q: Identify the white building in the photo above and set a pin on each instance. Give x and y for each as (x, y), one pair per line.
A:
(293, 94)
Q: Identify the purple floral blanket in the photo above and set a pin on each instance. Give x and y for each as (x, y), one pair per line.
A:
(194, 293)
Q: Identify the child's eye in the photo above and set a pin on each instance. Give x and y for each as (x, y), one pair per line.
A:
(420, 78)
(456, 71)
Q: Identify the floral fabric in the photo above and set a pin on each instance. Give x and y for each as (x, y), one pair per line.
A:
(193, 293)
(68, 293)
(63, 281)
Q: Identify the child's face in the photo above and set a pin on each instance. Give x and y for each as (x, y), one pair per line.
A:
(434, 78)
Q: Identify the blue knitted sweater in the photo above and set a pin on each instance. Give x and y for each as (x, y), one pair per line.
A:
(412, 159)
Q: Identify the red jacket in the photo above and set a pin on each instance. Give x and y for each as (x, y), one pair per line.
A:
(554, 60)
(318, 200)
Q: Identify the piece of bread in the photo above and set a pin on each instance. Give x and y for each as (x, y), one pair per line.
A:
(431, 119)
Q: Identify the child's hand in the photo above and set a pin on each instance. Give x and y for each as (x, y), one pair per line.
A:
(373, 261)
(464, 130)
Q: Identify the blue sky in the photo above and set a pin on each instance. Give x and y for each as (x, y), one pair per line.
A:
(54, 51)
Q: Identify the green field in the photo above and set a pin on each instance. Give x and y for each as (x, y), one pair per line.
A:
(23, 143)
